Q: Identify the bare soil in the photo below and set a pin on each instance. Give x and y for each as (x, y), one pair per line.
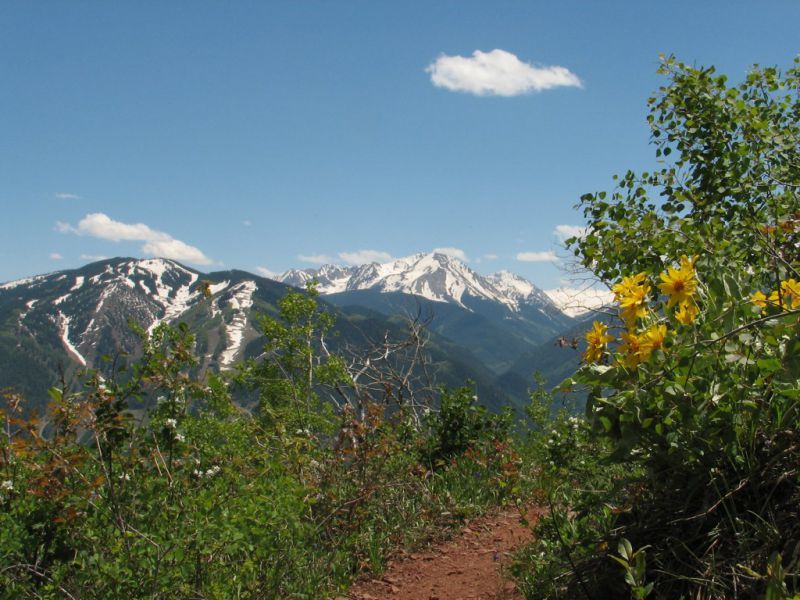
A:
(467, 567)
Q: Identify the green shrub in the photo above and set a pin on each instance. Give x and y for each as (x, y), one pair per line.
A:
(695, 387)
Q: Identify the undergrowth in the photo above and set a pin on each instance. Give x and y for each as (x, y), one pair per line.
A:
(201, 499)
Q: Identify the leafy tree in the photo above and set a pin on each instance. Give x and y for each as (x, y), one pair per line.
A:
(698, 381)
(294, 364)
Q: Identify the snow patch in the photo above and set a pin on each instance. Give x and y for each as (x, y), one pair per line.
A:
(240, 301)
(18, 282)
(28, 306)
(215, 288)
(60, 299)
(78, 283)
(63, 329)
(107, 271)
(174, 301)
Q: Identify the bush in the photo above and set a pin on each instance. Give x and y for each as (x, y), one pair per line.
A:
(201, 499)
(695, 387)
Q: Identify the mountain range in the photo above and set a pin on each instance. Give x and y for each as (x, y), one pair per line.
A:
(481, 326)
(497, 317)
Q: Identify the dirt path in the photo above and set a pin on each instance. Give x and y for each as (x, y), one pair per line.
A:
(469, 566)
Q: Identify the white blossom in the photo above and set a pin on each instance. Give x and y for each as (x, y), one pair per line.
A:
(7, 485)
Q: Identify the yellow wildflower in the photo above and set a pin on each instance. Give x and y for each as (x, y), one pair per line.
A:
(679, 284)
(787, 298)
(760, 299)
(687, 312)
(631, 293)
(598, 339)
(630, 349)
(790, 290)
(775, 299)
(652, 340)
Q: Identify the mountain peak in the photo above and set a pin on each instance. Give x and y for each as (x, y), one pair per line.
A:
(436, 276)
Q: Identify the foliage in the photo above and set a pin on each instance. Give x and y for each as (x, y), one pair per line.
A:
(461, 423)
(292, 365)
(696, 386)
(199, 498)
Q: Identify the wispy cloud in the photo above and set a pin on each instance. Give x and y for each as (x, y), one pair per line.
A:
(563, 232)
(361, 257)
(55, 256)
(497, 73)
(454, 252)
(67, 196)
(247, 223)
(485, 257)
(156, 243)
(93, 257)
(315, 259)
(545, 256)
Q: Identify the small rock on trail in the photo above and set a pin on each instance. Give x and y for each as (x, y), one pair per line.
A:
(467, 567)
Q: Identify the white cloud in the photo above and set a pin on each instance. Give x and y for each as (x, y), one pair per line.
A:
(497, 73)
(562, 232)
(361, 257)
(575, 301)
(315, 259)
(265, 272)
(546, 256)
(93, 257)
(453, 252)
(177, 250)
(156, 243)
(55, 256)
(67, 196)
(247, 223)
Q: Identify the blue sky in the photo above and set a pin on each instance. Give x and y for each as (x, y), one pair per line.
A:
(268, 135)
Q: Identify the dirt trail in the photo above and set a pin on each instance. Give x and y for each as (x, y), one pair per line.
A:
(467, 567)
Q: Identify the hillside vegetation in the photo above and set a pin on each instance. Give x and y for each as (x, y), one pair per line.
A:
(330, 471)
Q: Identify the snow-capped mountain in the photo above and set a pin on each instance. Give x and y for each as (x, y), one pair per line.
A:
(88, 310)
(55, 324)
(479, 325)
(433, 276)
(518, 289)
(498, 316)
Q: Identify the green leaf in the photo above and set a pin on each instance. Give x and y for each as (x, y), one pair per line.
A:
(769, 365)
